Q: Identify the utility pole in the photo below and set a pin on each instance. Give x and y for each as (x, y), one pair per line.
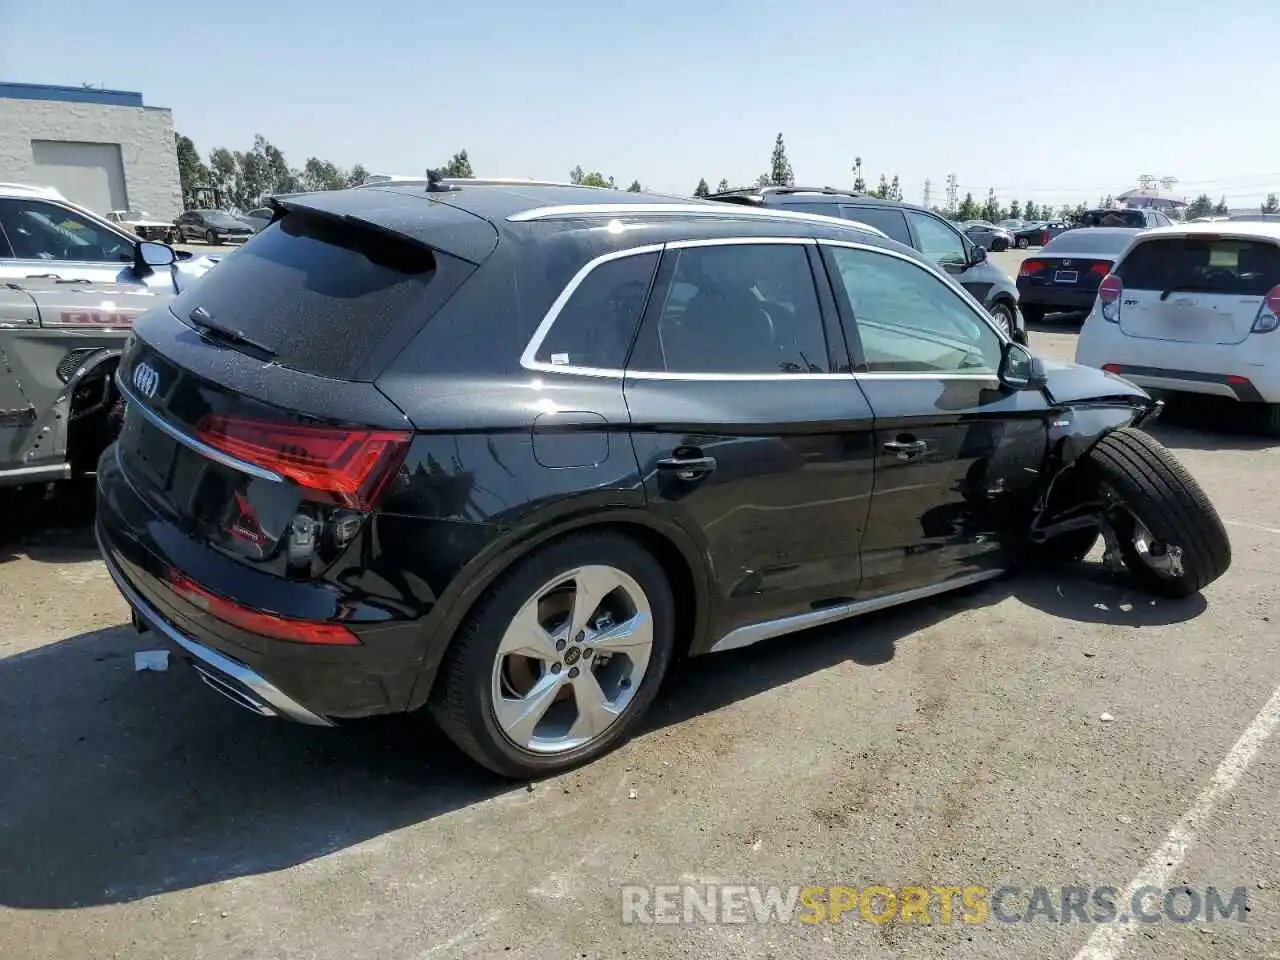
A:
(953, 191)
(927, 184)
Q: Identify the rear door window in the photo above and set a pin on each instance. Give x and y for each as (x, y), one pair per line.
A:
(322, 295)
(885, 219)
(1246, 268)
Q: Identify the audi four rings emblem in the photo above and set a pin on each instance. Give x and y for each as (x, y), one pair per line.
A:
(146, 379)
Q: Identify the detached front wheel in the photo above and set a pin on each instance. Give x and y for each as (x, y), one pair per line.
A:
(1166, 531)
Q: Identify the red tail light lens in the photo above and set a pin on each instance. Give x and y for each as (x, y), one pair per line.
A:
(1109, 291)
(1102, 267)
(1268, 317)
(346, 466)
(255, 621)
(1030, 267)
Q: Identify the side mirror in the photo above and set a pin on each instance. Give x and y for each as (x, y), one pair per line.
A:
(1020, 369)
(978, 254)
(156, 254)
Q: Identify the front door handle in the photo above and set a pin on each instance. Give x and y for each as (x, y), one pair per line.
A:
(688, 468)
(906, 449)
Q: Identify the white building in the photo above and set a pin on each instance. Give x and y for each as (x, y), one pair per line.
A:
(103, 149)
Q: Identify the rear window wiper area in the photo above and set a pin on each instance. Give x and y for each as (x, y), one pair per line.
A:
(214, 332)
(1192, 288)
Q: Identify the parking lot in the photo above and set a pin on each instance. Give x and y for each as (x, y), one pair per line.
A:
(958, 742)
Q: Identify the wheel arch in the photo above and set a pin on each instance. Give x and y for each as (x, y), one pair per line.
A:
(674, 549)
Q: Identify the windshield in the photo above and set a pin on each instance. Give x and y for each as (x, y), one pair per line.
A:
(1112, 218)
(220, 219)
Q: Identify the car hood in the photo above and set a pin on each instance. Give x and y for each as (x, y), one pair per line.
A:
(1074, 383)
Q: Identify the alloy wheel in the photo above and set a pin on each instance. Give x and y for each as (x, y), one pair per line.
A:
(572, 659)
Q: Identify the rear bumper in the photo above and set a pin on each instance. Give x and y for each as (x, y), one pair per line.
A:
(1056, 298)
(1239, 371)
(229, 677)
(313, 684)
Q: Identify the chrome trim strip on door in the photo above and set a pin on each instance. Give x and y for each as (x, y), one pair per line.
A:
(212, 453)
(755, 632)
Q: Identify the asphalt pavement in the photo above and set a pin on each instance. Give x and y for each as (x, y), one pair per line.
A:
(1046, 730)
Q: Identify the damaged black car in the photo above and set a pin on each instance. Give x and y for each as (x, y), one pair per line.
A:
(504, 451)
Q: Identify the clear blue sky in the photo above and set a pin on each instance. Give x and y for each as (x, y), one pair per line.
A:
(1047, 101)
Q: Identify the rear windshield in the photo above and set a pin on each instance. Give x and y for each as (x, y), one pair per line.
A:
(322, 294)
(1085, 242)
(1242, 267)
(1112, 218)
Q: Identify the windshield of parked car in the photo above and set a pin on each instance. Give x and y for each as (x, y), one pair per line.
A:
(135, 215)
(1112, 218)
(219, 218)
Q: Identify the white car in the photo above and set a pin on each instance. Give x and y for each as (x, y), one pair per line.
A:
(143, 224)
(1194, 309)
(45, 236)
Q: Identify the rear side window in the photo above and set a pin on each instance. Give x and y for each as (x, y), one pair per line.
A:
(884, 219)
(738, 309)
(1246, 268)
(595, 326)
(322, 295)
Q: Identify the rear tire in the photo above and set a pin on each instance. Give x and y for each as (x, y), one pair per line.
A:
(1271, 423)
(488, 687)
(1002, 314)
(210, 238)
(1171, 538)
(1023, 243)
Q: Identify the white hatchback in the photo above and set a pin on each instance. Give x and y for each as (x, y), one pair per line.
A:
(1193, 308)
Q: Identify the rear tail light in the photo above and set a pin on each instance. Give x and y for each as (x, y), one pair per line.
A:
(1044, 237)
(1109, 291)
(1031, 267)
(1268, 317)
(346, 466)
(1102, 268)
(256, 621)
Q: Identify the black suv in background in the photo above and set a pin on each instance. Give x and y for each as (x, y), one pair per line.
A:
(505, 451)
(917, 227)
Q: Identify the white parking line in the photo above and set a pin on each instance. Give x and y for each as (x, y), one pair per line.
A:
(1160, 868)
(1251, 526)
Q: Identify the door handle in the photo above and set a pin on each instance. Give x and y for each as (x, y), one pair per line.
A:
(688, 468)
(906, 449)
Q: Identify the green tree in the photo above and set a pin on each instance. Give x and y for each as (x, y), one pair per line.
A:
(702, 190)
(1108, 202)
(1222, 210)
(1031, 211)
(357, 176)
(1015, 211)
(882, 191)
(635, 187)
(576, 175)
(722, 186)
(780, 174)
(763, 180)
(991, 209)
(322, 175)
(859, 184)
(192, 172)
(224, 173)
(458, 167)
(895, 189)
(1201, 206)
(968, 210)
(1272, 205)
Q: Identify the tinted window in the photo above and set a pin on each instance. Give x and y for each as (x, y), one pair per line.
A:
(321, 294)
(46, 231)
(1242, 267)
(741, 308)
(938, 242)
(597, 323)
(1113, 218)
(908, 320)
(886, 219)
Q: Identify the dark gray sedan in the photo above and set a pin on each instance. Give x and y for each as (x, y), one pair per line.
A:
(988, 235)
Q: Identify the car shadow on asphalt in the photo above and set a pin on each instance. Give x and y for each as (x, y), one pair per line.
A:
(57, 528)
(117, 785)
(1212, 423)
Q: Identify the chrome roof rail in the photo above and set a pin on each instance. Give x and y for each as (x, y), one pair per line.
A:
(712, 209)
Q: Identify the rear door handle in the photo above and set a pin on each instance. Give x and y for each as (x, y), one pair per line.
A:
(906, 449)
(688, 468)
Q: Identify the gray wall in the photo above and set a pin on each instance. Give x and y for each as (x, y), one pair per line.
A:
(87, 132)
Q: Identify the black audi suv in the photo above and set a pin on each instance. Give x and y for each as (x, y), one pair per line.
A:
(505, 450)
